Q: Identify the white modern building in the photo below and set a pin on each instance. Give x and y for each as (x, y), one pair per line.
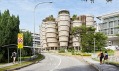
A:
(109, 25)
(36, 40)
(55, 33)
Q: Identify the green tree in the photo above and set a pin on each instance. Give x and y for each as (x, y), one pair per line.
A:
(9, 27)
(27, 41)
(86, 36)
(27, 37)
(100, 40)
(50, 18)
(74, 17)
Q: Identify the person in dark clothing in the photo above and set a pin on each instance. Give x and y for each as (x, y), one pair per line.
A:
(105, 56)
(14, 55)
(101, 55)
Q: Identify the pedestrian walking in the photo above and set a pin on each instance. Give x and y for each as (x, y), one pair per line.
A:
(101, 55)
(105, 56)
(14, 55)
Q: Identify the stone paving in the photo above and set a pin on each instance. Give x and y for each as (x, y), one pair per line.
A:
(102, 67)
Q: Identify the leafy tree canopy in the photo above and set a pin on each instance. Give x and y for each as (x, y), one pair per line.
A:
(27, 37)
(50, 18)
(9, 28)
(87, 35)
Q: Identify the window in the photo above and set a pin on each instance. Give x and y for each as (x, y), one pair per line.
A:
(115, 23)
(111, 30)
(110, 24)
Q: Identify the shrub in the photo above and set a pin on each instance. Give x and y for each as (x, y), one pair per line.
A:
(73, 53)
(110, 52)
(61, 50)
(70, 49)
(85, 54)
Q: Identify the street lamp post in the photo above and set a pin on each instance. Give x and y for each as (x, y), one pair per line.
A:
(94, 45)
(34, 23)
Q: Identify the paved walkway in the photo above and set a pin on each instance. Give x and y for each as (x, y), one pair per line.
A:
(96, 64)
(102, 67)
(7, 64)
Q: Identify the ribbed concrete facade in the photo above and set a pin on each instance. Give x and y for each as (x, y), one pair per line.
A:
(51, 34)
(43, 35)
(57, 34)
(89, 20)
(75, 39)
(63, 28)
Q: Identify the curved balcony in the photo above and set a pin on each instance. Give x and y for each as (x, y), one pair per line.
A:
(52, 44)
(63, 23)
(63, 28)
(77, 23)
(51, 30)
(62, 17)
(43, 25)
(76, 44)
(63, 38)
(63, 43)
(51, 35)
(89, 18)
(51, 40)
(89, 23)
(63, 33)
(51, 26)
(75, 39)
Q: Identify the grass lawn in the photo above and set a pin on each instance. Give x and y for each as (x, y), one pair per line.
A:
(15, 66)
(40, 57)
(67, 53)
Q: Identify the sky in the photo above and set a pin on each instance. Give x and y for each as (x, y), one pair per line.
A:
(25, 9)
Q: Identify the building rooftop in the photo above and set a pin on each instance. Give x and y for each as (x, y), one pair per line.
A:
(64, 11)
(108, 15)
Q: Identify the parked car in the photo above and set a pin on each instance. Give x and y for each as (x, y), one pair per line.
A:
(112, 47)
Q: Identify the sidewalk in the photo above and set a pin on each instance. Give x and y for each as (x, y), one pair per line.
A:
(102, 67)
(7, 64)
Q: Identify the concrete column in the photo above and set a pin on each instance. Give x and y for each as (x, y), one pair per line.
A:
(78, 48)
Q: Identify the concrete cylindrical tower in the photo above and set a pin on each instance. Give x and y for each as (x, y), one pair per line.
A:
(43, 35)
(63, 27)
(51, 34)
(76, 39)
(89, 20)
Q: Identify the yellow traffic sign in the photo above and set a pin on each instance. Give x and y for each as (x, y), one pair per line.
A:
(20, 40)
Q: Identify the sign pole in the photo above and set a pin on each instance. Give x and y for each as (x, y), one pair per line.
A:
(20, 55)
(20, 43)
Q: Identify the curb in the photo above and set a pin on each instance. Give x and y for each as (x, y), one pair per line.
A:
(96, 67)
(25, 65)
(19, 67)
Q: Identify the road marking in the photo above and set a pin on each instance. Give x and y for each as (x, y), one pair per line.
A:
(57, 65)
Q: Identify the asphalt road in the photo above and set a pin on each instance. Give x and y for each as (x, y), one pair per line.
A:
(54, 62)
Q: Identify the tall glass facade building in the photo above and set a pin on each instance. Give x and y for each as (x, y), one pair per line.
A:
(109, 25)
